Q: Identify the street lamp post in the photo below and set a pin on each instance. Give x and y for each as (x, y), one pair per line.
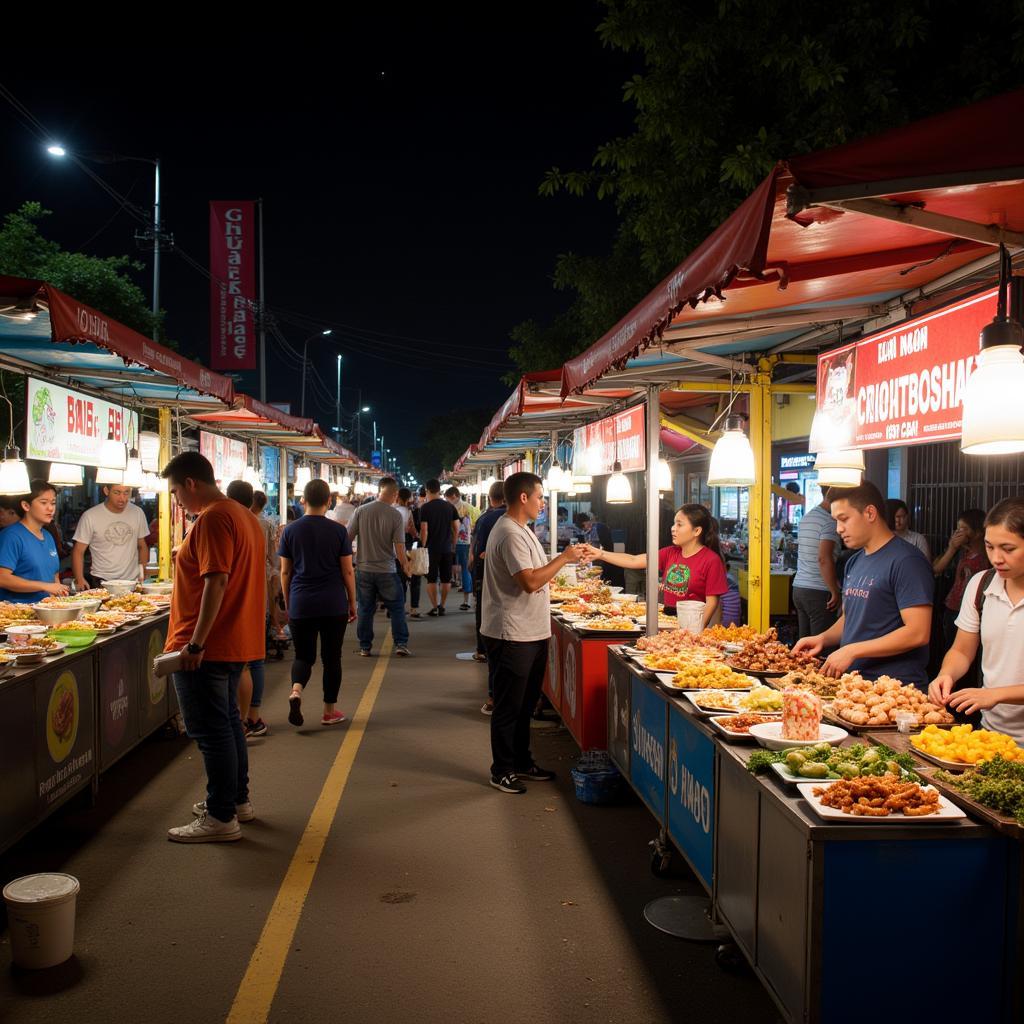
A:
(305, 354)
(58, 151)
(337, 407)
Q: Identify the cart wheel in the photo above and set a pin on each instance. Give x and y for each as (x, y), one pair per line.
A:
(661, 863)
(729, 958)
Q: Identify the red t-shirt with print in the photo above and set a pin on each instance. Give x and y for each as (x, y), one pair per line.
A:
(690, 579)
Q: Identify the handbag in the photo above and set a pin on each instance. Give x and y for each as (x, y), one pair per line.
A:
(420, 561)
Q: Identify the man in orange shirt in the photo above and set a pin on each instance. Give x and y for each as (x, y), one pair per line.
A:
(217, 616)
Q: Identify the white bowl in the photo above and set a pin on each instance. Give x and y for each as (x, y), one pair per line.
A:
(55, 616)
(156, 588)
(769, 734)
(23, 634)
(624, 597)
(118, 588)
(616, 590)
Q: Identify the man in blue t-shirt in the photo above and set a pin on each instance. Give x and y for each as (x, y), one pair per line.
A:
(887, 597)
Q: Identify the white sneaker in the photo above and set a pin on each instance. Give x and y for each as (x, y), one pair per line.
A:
(244, 812)
(206, 829)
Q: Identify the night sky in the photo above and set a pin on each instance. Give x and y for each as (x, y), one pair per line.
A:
(398, 160)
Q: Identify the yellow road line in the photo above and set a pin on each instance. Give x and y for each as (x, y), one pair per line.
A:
(259, 986)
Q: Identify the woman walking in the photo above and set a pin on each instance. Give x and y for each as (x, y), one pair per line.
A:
(967, 548)
(29, 563)
(319, 588)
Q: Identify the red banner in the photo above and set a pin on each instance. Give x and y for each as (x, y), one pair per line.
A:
(233, 285)
(598, 445)
(71, 320)
(904, 385)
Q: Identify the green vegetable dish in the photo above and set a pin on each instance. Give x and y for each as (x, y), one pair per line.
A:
(823, 761)
(998, 784)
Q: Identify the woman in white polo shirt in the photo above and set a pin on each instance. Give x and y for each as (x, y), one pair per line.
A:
(999, 626)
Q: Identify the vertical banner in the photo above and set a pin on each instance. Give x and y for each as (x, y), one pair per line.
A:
(233, 285)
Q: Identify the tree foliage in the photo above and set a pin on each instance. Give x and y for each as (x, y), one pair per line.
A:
(102, 282)
(727, 88)
(444, 438)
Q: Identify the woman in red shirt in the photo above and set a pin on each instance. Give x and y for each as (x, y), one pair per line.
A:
(690, 568)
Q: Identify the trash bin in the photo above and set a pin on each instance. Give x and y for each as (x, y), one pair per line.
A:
(41, 918)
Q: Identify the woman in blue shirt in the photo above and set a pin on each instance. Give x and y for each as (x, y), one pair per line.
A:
(29, 562)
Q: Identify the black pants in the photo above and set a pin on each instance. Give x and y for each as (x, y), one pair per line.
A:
(812, 615)
(478, 593)
(516, 669)
(331, 630)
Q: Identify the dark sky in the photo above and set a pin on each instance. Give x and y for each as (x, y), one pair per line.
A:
(398, 159)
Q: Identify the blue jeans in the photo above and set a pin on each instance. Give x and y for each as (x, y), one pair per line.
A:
(372, 587)
(259, 681)
(462, 557)
(208, 699)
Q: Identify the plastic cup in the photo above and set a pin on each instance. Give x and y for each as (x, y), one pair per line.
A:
(41, 919)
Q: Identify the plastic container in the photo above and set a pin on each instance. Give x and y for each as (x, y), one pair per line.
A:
(41, 919)
(596, 779)
(905, 721)
(17, 635)
(118, 588)
(690, 615)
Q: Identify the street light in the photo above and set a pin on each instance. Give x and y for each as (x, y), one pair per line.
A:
(305, 351)
(58, 151)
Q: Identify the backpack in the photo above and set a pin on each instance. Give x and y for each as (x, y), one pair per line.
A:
(979, 597)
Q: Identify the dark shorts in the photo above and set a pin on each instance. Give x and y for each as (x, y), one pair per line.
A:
(440, 564)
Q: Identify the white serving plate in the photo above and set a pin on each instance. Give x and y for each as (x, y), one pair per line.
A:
(616, 590)
(770, 735)
(625, 597)
(665, 678)
(735, 737)
(948, 811)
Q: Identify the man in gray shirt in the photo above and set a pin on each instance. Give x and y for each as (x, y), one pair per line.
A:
(379, 532)
(516, 627)
(815, 586)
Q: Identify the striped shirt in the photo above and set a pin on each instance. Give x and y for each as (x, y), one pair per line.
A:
(816, 526)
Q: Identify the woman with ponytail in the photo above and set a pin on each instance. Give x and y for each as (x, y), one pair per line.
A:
(690, 568)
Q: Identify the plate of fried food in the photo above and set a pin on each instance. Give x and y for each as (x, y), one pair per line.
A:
(709, 675)
(607, 624)
(866, 704)
(677, 661)
(737, 727)
(760, 699)
(134, 603)
(826, 687)
(101, 620)
(767, 658)
(879, 798)
(83, 624)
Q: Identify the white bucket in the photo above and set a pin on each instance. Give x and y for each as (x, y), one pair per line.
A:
(690, 615)
(41, 918)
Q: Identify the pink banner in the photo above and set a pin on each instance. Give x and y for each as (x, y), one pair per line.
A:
(619, 438)
(233, 285)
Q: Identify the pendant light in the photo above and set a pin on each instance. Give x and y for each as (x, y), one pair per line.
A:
(581, 484)
(302, 476)
(732, 459)
(993, 422)
(13, 472)
(63, 474)
(113, 453)
(664, 476)
(106, 475)
(149, 451)
(133, 469)
(619, 490)
(841, 468)
(556, 478)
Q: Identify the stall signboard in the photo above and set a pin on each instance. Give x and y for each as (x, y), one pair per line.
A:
(553, 676)
(799, 462)
(227, 456)
(233, 285)
(17, 763)
(691, 787)
(64, 731)
(154, 709)
(67, 426)
(903, 385)
(271, 464)
(513, 467)
(618, 708)
(647, 735)
(597, 446)
(117, 674)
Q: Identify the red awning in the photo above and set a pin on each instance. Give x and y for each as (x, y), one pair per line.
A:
(829, 235)
(73, 321)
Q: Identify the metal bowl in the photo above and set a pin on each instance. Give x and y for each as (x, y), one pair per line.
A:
(118, 588)
(55, 616)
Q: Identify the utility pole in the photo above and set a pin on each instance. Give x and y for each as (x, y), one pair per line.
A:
(359, 425)
(156, 248)
(263, 315)
(337, 407)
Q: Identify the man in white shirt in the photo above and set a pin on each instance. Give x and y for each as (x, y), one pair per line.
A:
(115, 534)
(342, 511)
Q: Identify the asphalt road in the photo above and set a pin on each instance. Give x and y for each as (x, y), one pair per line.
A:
(435, 898)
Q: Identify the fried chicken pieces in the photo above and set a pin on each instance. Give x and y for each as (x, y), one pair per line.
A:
(879, 796)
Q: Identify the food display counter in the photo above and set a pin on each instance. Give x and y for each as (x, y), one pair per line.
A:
(65, 721)
(813, 904)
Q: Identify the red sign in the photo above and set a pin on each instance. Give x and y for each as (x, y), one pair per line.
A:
(233, 285)
(597, 446)
(227, 456)
(904, 385)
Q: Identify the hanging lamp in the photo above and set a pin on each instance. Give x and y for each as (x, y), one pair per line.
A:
(664, 475)
(113, 453)
(556, 478)
(13, 471)
(106, 475)
(993, 416)
(619, 490)
(63, 474)
(732, 459)
(133, 469)
(840, 468)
